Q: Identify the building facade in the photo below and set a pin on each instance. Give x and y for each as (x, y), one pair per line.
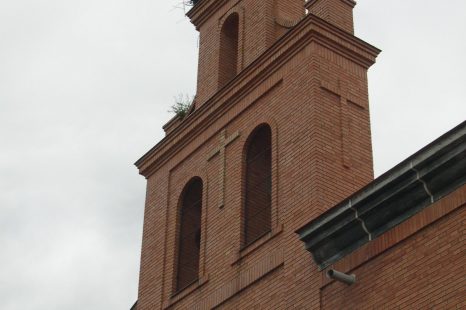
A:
(278, 136)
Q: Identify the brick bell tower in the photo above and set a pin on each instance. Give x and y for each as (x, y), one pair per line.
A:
(279, 133)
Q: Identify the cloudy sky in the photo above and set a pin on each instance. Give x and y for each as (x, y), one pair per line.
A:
(85, 87)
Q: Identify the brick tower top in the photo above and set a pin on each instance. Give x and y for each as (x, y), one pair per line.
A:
(234, 33)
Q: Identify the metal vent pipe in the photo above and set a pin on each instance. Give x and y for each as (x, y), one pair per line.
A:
(341, 277)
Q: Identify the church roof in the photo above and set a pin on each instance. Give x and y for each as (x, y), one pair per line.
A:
(405, 190)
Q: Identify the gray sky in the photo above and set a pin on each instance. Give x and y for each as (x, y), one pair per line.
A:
(85, 87)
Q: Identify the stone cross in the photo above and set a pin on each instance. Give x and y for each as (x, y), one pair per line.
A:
(224, 142)
(342, 91)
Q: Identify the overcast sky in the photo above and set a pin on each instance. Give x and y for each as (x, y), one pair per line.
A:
(85, 86)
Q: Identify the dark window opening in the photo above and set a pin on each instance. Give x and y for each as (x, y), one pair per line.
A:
(189, 240)
(229, 49)
(258, 185)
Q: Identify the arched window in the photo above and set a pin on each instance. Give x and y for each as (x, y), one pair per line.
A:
(258, 185)
(229, 49)
(189, 239)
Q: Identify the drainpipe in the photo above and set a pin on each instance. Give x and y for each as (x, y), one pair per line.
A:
(341, 277)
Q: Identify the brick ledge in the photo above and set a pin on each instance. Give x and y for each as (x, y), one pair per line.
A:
(185, 292)
(244, 252)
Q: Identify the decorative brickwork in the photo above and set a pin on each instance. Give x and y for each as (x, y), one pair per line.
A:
(341, 90)
(224, 142)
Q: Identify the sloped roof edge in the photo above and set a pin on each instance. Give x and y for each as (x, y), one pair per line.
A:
(403, 191)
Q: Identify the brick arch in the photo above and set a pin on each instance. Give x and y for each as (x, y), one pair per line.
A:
(189, 232)
(229, 49)
(257, 180)
(273, 124)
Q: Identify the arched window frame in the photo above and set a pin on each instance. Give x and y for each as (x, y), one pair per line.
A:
(177, 287)
(234, 12)
(276, 227)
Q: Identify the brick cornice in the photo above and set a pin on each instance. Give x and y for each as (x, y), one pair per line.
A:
(203, 10)
(310, 28)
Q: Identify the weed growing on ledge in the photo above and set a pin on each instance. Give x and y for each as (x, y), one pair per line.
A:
(182, 105)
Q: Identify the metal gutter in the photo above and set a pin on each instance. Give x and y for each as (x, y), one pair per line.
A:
(405, 190)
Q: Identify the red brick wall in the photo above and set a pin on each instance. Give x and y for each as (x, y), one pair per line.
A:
(255, 17)
(337, 12)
